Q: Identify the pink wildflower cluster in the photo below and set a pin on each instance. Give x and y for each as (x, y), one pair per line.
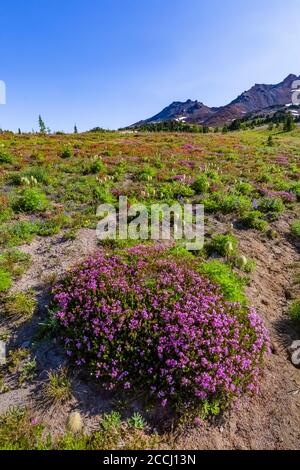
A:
(188, 163)
(191, 147)
(282, 160)
(146, 250)
(141, 321)
(284, 195)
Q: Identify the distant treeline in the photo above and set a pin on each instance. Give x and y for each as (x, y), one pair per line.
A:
(171, 126)
(279, 119)
(99, 129)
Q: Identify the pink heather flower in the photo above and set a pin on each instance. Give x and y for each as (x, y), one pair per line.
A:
(138, 320)
(34, 422)
(200, 394)
(198, 421)
(133, 324)
(284, 195)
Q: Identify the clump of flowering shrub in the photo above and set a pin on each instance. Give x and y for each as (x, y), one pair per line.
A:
(142, 321)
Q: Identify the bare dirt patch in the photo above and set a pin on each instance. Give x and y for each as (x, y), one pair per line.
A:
(272, 419)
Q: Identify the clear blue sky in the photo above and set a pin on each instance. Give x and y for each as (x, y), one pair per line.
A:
(113, 62)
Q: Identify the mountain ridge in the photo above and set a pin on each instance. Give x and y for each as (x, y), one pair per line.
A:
(258, 98)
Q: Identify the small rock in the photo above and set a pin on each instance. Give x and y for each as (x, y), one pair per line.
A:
(294, 352)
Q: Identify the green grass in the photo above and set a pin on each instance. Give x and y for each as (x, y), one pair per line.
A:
(253, 219)
(21, 364)
(271, 205)
(17, 431)
(231, 285)
(57, 389)
(226, 203)
(15, 262)
(18, 233)
(20, 430)
(66, 152)
(136, 421)
(48, 228)
(5, 280)
(294, 311)
(31, 200)
(5, 157)
(38, 173)
(19, 305)
(201, 184)
(222, 245)
(97, 166)
(5, 210)
(295, 228)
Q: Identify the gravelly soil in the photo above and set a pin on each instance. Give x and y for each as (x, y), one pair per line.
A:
(268, 421)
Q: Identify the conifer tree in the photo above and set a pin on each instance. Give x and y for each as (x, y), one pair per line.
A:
(42, 125)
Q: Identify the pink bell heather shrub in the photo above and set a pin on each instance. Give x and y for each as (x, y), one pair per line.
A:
(284, 195)
(191, 147)
(187, 163)
(282, 160)
(142, 321)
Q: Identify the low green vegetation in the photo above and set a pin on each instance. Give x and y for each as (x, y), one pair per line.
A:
(201, 184)
(66, 152)
(233, 175)
(20, 430)
(5, 157)
(294, 311)
(226, 203)
(31, 200)
(14, 262)
(5, 280)
(254, 219)
(21, 364)
(295, 228)
(223, 245)
(18, 233)
(58, 387)
(231, 285)
(19, 305)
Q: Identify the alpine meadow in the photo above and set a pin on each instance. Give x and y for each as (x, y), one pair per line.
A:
(149, 267)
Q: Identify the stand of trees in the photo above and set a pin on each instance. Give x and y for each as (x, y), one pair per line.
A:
(172, 126)
(280, 118)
